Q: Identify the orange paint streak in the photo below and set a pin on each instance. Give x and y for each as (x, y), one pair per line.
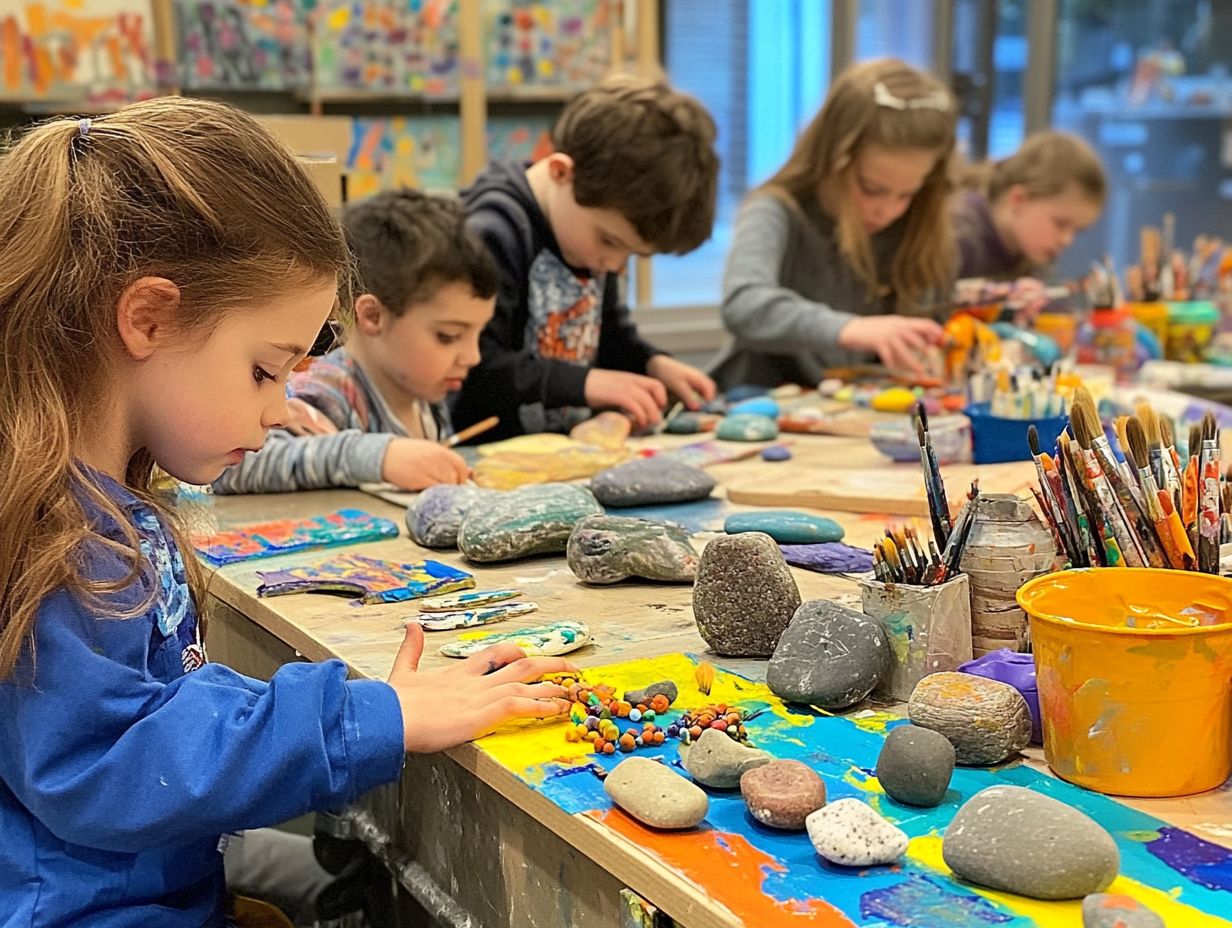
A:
(10, 44)
(729, 867)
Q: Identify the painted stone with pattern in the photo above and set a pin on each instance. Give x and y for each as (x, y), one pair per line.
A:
(607, 549)
(436, 515)
(525, 522)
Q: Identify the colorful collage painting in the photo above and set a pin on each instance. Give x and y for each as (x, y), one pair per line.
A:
(270, 539)
(532, 43)
(370, 580)
(386, 153)
(771, 877)
(242, 45)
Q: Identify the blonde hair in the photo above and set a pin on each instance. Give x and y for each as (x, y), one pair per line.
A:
(889, 104)
(189, 190)
(1048, 164)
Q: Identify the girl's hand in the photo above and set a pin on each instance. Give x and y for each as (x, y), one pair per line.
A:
(682, 380)
(448, 707)
(902, 342)
(414, 464)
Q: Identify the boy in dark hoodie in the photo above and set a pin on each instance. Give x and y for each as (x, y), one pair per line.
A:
(633, 172)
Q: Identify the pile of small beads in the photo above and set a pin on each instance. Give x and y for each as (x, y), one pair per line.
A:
(719, 716)
(595, 709)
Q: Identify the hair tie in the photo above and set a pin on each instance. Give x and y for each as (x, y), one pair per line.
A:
(936, 100)
(83, 127)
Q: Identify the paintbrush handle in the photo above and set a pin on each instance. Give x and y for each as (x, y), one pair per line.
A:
(1176, 531)
(1208, 519)
(1115, 520)
(1143, 530)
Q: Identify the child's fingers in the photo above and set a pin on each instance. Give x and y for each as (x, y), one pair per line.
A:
(526, 669)
(534, 690)
(490, 660)
(411, 650)
(704, 385)
(657, 391)
(518, 707)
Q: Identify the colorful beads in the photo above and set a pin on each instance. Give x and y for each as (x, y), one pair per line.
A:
(719, 716)
(595, 709)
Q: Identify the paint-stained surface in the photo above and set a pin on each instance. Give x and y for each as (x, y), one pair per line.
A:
(768, 877)
(269, 539)
(372, 580)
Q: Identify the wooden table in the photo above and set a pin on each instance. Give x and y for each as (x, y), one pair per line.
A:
(494, 845)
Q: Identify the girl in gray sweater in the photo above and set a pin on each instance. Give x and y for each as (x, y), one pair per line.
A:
(843, 255)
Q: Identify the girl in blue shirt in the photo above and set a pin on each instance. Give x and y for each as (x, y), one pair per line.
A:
(162, 270)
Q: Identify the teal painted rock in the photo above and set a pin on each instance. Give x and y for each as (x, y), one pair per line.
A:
(608, 549)
(785, 526)
(747, 427)
(758, 406)
(525, 522)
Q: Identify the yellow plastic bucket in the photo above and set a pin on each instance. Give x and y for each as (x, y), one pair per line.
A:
(1134, 670)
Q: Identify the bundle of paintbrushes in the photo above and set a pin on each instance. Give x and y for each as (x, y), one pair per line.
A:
(1021, 394)
(1128, 502)
(1167, 273)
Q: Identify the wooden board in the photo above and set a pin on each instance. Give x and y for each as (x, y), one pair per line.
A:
(896, 490)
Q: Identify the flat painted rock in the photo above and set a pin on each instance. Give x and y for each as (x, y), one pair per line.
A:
(776, 453)
(436, 515)
(537, 641)
(745, 391)
(829, 656)
(1021, 841)
(691, 423)
(471, 618)
(744, 596)
(524, 522)
(606, 430)
(1113, 910)
(828, 557)
(915, 765)
(607, 549)
(651, 482)
(747, 427)
(986, 721)
(470, 600)
(757, 406)
(850, 833)
(782, 793)
(785, 525)
(646, 693)
(656, 795)
(718, 761)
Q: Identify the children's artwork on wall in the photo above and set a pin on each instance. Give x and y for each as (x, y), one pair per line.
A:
(269, 539)
(242, 44)
(421, 152)
(512, 139)
(96, 53)
(547, 43)
(388, 46)
(371, 579)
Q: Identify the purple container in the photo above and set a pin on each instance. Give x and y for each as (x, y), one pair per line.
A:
(1018, 670)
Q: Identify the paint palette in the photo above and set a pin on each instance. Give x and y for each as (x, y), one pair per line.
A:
(470, 618)
(538, 641)
(468, 600)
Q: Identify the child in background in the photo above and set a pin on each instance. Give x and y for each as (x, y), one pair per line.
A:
(374, 409)
(1015, 217)
(634, 172)
(165, 268)
(845, 252)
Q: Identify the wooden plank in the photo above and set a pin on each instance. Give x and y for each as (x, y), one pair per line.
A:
(472, 106)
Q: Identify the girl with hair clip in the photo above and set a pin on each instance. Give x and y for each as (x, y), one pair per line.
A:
(846, 251)
(164, 269)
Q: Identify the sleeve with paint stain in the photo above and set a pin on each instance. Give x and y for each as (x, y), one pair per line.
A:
(308, 462)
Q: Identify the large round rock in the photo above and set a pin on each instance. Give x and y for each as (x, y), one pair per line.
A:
(915, 765)
(607, 549)
(985, 720)
(1020, 841)
(830, 656)
(651, 482)
(656, 795)
(744, 596)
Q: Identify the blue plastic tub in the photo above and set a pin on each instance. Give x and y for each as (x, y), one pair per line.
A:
(995, 440)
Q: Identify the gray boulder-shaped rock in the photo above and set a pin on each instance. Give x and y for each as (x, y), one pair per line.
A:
(1020, 841)
(830, 656)
(651, 482)
(719, 761)
(782, 793)
(435, 517)
(656, 795)
(524, 522)
(915, 765)
(986, 720)
(849, 832)
(1113, 910)
(646, 693)
(744, 596)
(607, 549)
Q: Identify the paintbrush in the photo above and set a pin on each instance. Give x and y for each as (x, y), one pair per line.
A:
(1115, 519)
(1170, 531)
(1208, 514)
(471, 431)
(1075, 495)
(1142, 529)
(1049, 503)
(1107, 546)
(953, 552)
(1129, 472)
(1171, 460)
(934, 487)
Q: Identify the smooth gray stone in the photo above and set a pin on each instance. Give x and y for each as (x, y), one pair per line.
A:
(716, 760)
(655, 794)
(830, 656)
(747, 427)
(651, 482)
(1021, 841)
(435, 517)
(646, 693)
(524, 522)
(915, 765)
(1112, 910)
(744, 596)
(849, 832)
(607, 549)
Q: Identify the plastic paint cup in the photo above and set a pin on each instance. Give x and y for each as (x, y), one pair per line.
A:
(1191, 327)
(1153, 316)
(1134, 668)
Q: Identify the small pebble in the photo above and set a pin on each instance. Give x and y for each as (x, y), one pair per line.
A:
(716, 760)
(782, 793)
(776, 453)
(665, 688)
(1111, 910)
(850, 833)
(655, 794)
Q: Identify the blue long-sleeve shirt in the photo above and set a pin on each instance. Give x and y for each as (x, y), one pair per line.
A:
(123, 759)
